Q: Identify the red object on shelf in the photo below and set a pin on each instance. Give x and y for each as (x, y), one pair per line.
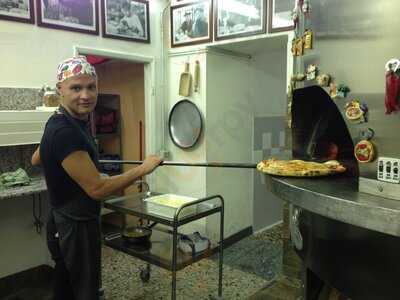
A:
(96, 60)
(105, 129)
(106, 118)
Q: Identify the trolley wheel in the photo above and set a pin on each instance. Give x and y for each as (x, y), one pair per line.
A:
(145, 275)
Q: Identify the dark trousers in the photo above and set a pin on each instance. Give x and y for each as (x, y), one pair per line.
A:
(76, 252)
(62, 288)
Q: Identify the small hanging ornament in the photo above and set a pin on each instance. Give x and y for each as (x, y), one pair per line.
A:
(332, 90)
(356, 111)
(294, 50)
(323, 80)
(364, 108)
(298, 77)
(366, 134)
(311, 72)
(299, 47)
(342, 91)
(308, 39)
(364, 151)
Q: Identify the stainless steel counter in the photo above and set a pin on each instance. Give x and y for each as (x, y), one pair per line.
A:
(338, 198)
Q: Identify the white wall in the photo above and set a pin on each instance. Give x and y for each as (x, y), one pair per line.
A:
(238, 90)
(230, 94)
(21, 248)
(362, 62)
(189, 181)
(270, 86)
(269, 82)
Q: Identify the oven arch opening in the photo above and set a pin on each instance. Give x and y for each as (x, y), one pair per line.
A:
(319, 132)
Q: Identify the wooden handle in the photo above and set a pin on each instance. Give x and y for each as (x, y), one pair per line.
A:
(187, 67)
(196, 76)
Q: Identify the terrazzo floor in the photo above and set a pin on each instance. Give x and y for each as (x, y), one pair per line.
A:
(249, 266)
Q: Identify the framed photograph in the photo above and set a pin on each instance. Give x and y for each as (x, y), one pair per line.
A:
(191, 23)
(238, 18)
(17, 10)
(126, 20)
(280, 15)
(73, 15)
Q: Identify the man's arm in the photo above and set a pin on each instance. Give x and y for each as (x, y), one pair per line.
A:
(35, 160)
(82, 170)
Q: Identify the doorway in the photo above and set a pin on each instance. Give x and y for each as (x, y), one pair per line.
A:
(131, 76)
(125, 80)
(148, 63)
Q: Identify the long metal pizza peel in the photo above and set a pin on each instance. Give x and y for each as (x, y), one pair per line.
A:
(185, 164)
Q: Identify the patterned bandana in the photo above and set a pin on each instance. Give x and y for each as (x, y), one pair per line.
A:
(74, 66)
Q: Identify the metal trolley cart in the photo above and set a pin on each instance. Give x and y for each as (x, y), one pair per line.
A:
(162, 250)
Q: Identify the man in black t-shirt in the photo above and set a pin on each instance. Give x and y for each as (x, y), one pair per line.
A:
(68, 156)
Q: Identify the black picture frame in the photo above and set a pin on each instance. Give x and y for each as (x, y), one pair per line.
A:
(273, 16)
(79, 16)
(19, 12)
(232, 23)
(191, 23)
(123, 23)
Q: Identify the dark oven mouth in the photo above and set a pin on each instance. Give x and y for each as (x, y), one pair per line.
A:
(319, 132)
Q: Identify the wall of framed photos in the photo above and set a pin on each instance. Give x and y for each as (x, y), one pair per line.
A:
(33, 50)
(205, 21)
(120, 19)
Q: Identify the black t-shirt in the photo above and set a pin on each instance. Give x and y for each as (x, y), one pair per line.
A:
(60, 139)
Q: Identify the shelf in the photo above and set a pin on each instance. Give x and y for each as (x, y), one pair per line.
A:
(22, 127)
(159, 251)
(133, 205)
(107, 142)
(106, 135)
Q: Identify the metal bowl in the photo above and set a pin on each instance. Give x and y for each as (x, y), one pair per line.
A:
(136, 235)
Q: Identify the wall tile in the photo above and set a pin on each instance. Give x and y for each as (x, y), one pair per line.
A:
(14, 157)
(19, 98)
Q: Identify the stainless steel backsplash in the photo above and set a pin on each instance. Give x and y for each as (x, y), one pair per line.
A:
(353, 41)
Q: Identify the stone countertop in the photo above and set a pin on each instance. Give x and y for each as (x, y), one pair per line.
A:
(37, 185)
(338, 198)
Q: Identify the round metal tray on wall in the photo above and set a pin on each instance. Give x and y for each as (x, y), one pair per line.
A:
(185, 124)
